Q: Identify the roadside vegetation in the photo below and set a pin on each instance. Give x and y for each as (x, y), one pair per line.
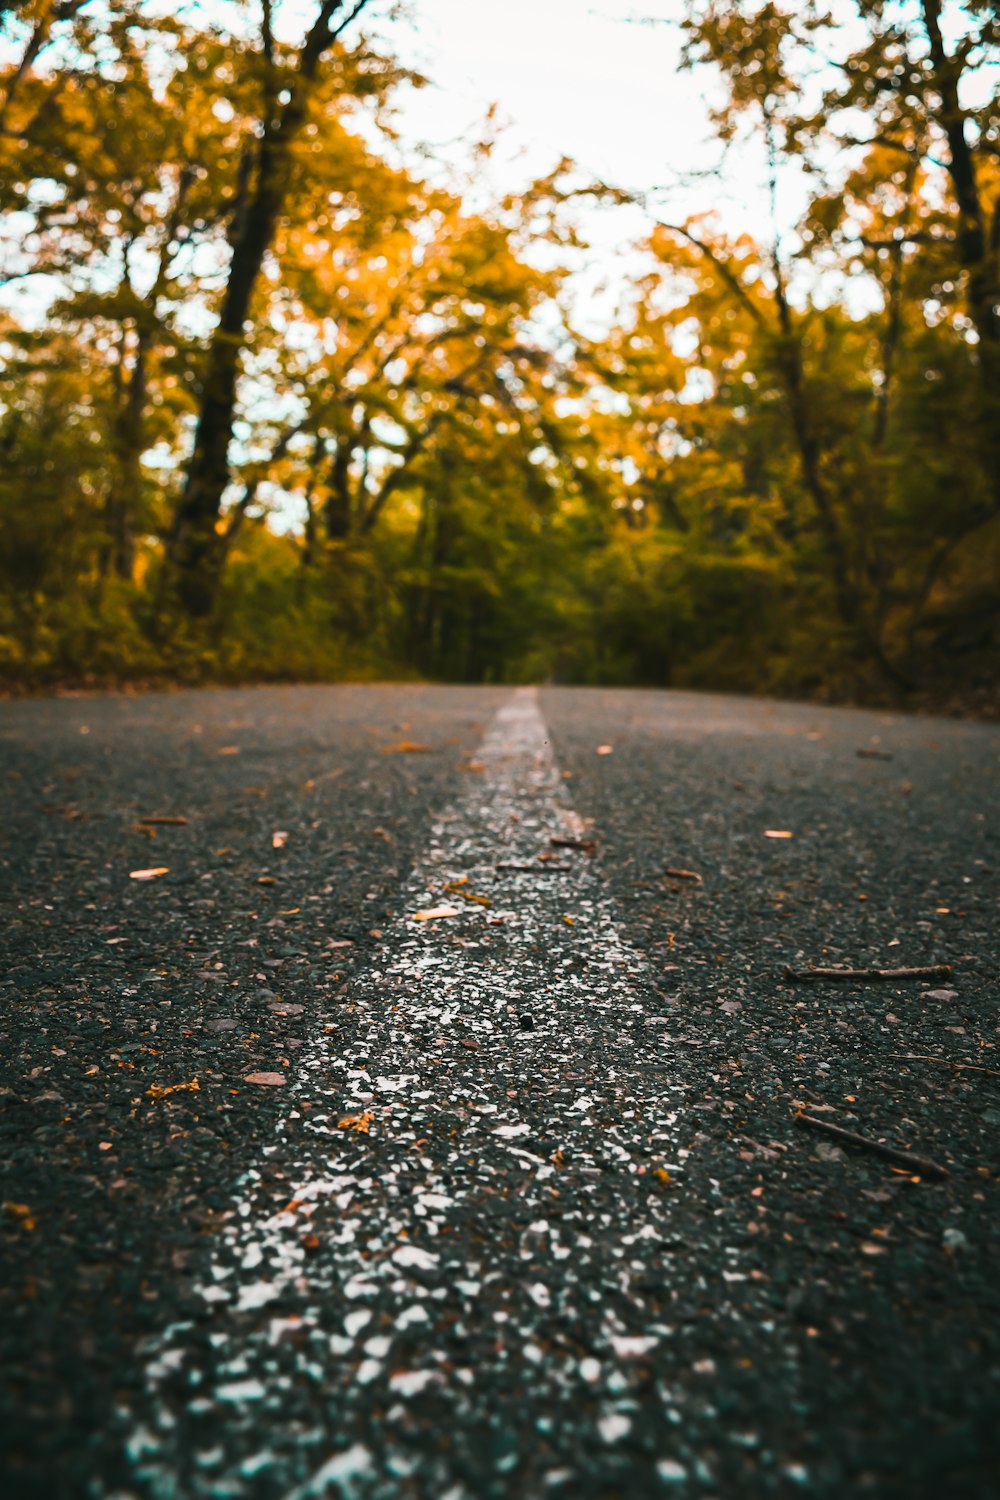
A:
(279, 400)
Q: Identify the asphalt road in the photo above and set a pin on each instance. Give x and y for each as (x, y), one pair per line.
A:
(521, 1207)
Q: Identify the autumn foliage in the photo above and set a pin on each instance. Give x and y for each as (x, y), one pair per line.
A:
(275, 403)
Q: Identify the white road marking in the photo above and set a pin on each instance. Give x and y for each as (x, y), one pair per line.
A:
(451, 1095)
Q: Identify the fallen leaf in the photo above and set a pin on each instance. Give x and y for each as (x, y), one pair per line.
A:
(229, 750)
(149, 874)
(433, 912)
(407, 747)
(340, 943)
(279, 839)
(605, 750)
(325, 776)
(455, 887)
(683, 875)
(777, 833)
(161, 1090)
(568, 921)
(166, 822)
(361, 1123)
(140, 828)
(266, 880)
(270, 1080)
(22, 1213)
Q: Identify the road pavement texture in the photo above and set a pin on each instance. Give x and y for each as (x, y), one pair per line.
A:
(310, 1192)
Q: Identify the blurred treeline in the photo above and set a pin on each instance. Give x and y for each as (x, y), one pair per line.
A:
(275, 403)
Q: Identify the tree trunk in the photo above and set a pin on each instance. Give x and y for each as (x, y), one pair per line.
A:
(338, 504)
(850, 603)
(193, 552)
(979, 258)
(118, 554)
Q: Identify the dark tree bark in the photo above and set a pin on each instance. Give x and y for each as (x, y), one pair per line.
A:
(194, 553)
(339, 519)
(126, 476)
(978, 245)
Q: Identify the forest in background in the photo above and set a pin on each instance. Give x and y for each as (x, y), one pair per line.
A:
(279, 400)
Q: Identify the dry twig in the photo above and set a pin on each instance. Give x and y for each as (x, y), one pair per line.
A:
(918, 1164)
(587, 846)
(862, 976)
(535, 869)
(945, 1062)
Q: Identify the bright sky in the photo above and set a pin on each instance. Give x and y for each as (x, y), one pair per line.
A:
(572, 75)
(576, 78)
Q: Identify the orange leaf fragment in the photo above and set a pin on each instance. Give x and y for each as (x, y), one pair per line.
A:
(433, 912)
(149, 874)
(361, 1123)
(22, 1213)
(407, 747)
(778, 833)
(455, 887)
(605, 750)
(229, 750)
(166, 822)
(683, 875)
(161, 1090)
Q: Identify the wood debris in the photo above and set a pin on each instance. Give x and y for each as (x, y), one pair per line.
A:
(945, 1062)
(863, 976)
(586, 846)
(918, 1164)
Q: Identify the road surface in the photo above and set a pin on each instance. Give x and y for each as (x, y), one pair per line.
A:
(427, 1126)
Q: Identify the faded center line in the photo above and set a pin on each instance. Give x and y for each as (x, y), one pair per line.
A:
(447, 1176)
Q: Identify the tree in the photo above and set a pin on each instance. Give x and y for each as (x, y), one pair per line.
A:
(288, 81)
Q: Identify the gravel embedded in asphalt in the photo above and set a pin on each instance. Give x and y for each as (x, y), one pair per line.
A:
(820, 1320)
